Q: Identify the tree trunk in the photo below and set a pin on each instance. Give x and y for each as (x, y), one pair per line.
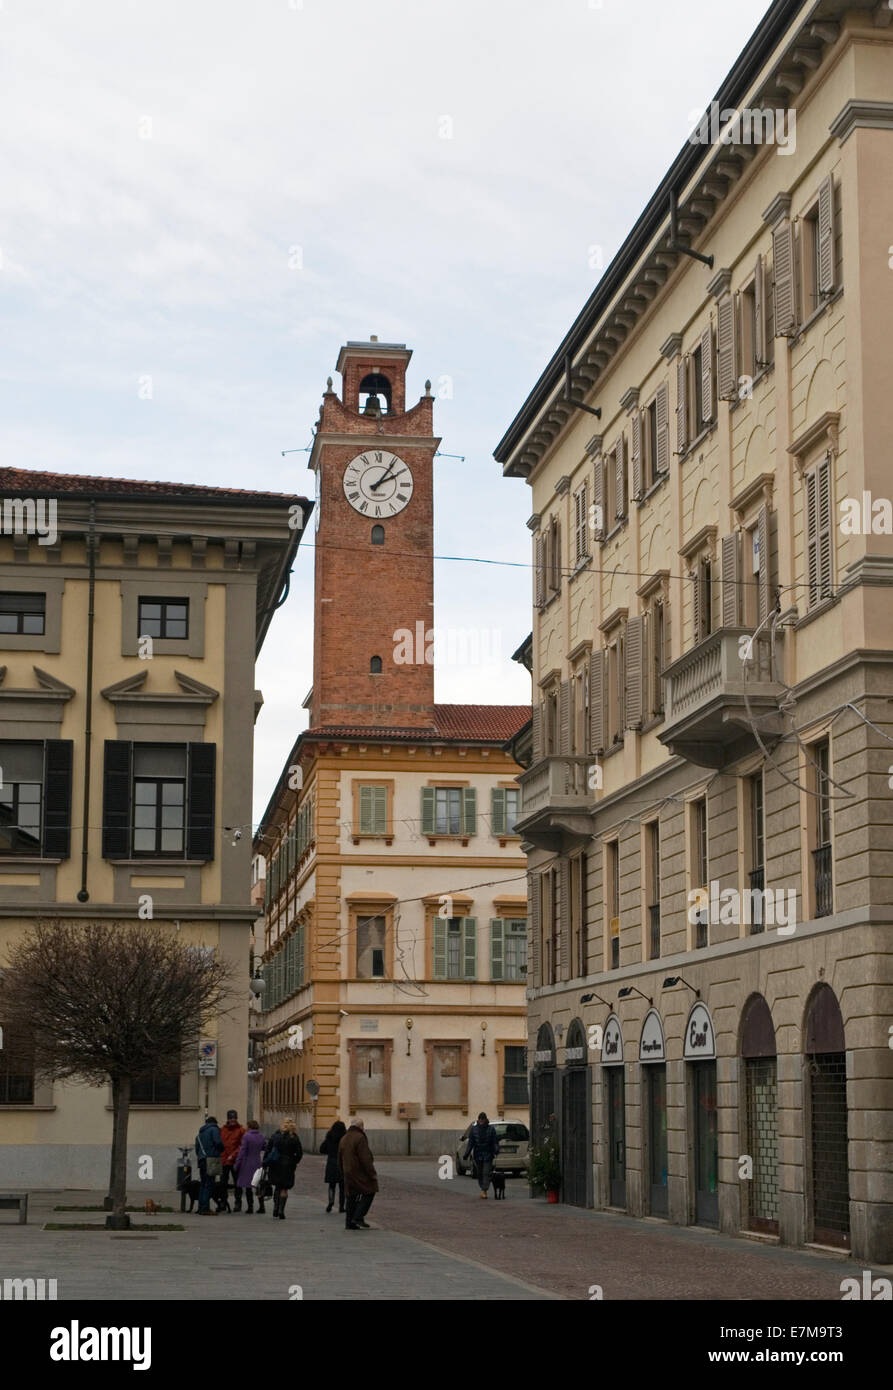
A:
(118, 1220)
(109, 1201)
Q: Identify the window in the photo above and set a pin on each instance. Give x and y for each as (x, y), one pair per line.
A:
(616, 683)
(757, 850)
(161, 1088)
(35, 798)
(649, 442)
(823, 886)
(655, 635)
(159, 800)
(514, 1077)
(697, 391)
(371, 808)
(508, 948)
(581, 523)
(16, 1069)
(577, 869)
(164, 617)
(371, 935)
(551, 721)
(553, 546)
(612, 898)
(653, 885)
(702, 599)
(699, 865)
(449, 810)
(369, 1075)
(819, 536)
(378, 535)
(375, 665)
(455, 948)
(809, 255)
(446, 1075)
(23, 613)
(505, 809)
(615, 484)
(550, 916)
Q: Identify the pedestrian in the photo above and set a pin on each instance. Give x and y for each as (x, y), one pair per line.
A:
(360, 1180)
(483, 1146)
(231, 1134)
(284, 1153)
(329, 1147)
(248, 1160)
(208, 1148)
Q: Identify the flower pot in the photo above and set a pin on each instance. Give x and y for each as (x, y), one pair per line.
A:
(552, 1194)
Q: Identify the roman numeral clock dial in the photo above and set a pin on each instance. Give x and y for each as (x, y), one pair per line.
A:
(377, 484)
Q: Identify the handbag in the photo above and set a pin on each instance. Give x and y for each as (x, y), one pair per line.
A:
(213, 1167)
(272, 1156)
(258, 1177)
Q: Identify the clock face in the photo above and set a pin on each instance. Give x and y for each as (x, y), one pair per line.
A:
(377, 483)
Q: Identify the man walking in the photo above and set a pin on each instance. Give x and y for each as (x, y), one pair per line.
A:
(232, 1134)
(208, 1148)
(483, 1147)
(360, 1180)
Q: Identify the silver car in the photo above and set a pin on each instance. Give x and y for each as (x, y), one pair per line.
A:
(514, 1139)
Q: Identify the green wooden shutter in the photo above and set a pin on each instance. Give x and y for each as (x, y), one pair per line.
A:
(366, 810)
(497, 949)
(380, 810)
(440, 948)
(469, 811)
(497, 810)
(299, 953)
(469, 948)
(428, 810)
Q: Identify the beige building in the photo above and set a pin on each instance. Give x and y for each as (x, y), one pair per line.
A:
(129, 614)
(395, 939)
(707, 812)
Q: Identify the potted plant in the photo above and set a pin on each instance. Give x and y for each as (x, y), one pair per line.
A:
(544, 1168)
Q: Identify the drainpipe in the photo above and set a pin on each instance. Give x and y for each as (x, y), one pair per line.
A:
(83, 895)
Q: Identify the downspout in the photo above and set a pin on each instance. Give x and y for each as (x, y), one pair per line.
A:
(83, 895)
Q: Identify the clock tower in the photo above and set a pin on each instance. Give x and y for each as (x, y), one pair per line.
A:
(374, 577)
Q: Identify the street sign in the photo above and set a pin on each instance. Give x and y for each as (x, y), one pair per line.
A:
(207, 1057)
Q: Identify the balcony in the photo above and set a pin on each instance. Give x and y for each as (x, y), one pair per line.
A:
(556, 801)
(715, 701)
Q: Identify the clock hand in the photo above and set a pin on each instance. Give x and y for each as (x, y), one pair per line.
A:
(373, 487)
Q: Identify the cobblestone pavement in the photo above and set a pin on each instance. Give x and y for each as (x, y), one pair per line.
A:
(432, 1239)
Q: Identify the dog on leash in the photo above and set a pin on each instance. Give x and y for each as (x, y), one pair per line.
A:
(498, 1181)
(190, 1187)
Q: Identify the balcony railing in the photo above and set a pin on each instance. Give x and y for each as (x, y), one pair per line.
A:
(555, 783)
(824, 887)
(757, 884)
(715, 695)
(702, 929)
(654, 922)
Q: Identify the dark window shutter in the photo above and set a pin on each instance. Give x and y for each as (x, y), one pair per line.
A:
(57, 761)
(598, 497)
(564, 935)
(619, 478)
(726, 345)
(783, 280)
(200, 830)
(535, 944)
(682, 405)
(564, 719)
(759, 313)
(763, 539)
(634, 672)
(662, 411)
(826, 237)
(636, 454)
(731, 554)
(539, 571)
(597, 701)
(706, 378)
(117, 776)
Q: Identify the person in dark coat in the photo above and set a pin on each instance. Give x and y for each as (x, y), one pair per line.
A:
(248, 1160)
(483, 1145)
(208, 1148)
(360, 1179)
(284, 1153)
(329, 1147)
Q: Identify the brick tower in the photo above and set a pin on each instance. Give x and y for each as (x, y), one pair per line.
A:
(374, 576)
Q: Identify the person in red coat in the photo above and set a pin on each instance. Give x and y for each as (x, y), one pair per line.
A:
(231, 1133)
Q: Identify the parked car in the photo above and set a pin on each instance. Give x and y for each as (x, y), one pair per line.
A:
(514, 1139)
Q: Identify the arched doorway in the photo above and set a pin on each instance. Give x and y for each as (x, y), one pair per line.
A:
(653, 1057)
(615, 1110)
(758, 1055)
(576, 1118)
(699, 1051)
(542, 1084)
(825, 1059)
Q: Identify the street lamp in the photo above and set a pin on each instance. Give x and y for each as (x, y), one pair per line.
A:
(678, 980)
(631, 989)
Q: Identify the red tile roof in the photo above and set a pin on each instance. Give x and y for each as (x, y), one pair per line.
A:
(452, 723)
(28, 480)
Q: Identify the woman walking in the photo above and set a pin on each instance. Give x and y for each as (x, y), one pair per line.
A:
(334, 1176)
(283, 1155)
(247, 1162)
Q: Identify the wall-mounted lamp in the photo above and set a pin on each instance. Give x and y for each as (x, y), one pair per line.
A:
(672, 980)
(408, 1027)
(631, 989)
(483, 1037)
(588, 998)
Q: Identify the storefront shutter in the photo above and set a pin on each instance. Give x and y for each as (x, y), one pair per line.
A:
(117, 778)
(202, 764)
(57, 763)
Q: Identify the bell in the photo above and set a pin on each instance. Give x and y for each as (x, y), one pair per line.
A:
(373, 405)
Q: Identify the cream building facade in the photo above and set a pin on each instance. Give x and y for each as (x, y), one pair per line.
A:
(708, 810)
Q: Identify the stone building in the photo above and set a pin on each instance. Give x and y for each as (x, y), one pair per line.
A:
(707, 812)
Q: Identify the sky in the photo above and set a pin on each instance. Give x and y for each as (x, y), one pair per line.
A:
(201, 202)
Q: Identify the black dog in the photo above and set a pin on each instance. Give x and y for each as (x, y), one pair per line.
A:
(190, 1187)
(498, 1181)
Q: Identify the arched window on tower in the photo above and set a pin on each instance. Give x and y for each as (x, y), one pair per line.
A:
(378, 535)
(375, 666)
(375, 394)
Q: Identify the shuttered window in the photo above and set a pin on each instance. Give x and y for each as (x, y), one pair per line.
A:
(819, 552)
(597, 702)
(636, 459)
(150, 808)
(455, 948)
(731, 579)
(539, 570)
(508, 948)
(783, 287)
(554, 564)
(726, 349)
(634, 702)
(581, 523)
(449, 811)
(505, 809)
(599, 498)
(373, 804)
(662, 429)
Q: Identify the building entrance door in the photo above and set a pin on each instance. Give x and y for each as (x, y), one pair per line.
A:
(706, 1143)
(616, 1135)
(656, 1083)
(576, 1144)
(828, 1138)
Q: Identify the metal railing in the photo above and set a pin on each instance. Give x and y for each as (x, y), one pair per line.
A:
(654, 923)
(757, 884)
(824, 887)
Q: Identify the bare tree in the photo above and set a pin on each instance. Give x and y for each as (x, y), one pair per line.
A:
(111, 1001)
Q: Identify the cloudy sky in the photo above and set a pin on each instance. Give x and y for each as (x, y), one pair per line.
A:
(202, 202)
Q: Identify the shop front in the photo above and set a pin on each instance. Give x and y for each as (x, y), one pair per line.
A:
(699, 1053)
(615, 1110)
(576, 1119)
(653, 1061)
(543, 1091)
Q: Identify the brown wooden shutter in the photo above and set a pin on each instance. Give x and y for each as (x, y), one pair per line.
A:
(662, 413)
(535, 945)
(764, 595)
(811, 533)
(564, 719)
(539, 572)
(759, 312)
(597, 701)
(826, 236)
(635, 671)
(706, 377)
(637, 455)
(731, 574)
(555, 554)
(823, 519)
(564, 939)
(783, 280)
(682, 405)
(619, 478)
(537, 716)
(726, 349)
(696, 604)
(598, 496)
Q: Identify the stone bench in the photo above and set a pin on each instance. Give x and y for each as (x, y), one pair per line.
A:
(16, 1199)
